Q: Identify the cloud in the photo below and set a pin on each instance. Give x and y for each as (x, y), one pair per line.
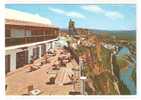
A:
(67, 13)
(114, 15)
(59, 11)
(109, 14)
(75, 14)
(93, 8)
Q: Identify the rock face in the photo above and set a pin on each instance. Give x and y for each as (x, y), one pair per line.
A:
(101, 67)
(98, 61)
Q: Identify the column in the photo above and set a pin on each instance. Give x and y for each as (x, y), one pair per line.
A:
(82, 77)
(40, 51)
(13, 60)
(81, 74)
(46, 46)
(30, 54)
(51, 45)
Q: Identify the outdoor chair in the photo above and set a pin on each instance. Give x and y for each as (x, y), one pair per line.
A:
(74, 93)
(6, 87)
(51, 80)
(33, 67)
(29, 88)
(32, 91)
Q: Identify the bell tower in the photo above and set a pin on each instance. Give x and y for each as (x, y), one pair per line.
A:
(72, 27)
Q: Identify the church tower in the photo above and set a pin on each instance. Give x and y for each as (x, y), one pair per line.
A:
(72, 27)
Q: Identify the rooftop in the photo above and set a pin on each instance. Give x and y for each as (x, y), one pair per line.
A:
(23, 18)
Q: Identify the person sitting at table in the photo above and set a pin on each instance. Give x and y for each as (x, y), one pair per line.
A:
(45, 57)
(62, 63)
(41, 64)
(33, 67)
(30, 88)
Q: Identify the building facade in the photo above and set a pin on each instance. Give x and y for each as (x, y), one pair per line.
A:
(82, 31)
(27, 38)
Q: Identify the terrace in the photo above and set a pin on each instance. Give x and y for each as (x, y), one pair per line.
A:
(52, 74)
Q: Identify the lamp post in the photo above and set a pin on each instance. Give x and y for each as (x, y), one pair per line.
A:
(82, 77)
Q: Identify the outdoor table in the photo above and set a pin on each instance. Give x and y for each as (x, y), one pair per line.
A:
(66, 61)
(35, 92)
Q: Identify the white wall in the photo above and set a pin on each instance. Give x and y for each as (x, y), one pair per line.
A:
(30, 53)
(40, 54)
(12, 54)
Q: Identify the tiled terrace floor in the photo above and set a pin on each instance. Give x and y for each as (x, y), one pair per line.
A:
(18, 81)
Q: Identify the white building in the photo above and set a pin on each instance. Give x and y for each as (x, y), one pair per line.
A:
(27, 37)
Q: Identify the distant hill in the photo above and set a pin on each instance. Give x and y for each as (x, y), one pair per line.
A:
(122, 34)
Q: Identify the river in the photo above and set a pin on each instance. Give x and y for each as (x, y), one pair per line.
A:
(125, 73)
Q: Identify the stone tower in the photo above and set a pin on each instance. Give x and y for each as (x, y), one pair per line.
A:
(72, 27)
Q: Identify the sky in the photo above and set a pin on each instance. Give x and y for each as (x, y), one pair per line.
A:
(102, 16)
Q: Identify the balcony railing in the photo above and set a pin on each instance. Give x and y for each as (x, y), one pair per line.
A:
(10, 41)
